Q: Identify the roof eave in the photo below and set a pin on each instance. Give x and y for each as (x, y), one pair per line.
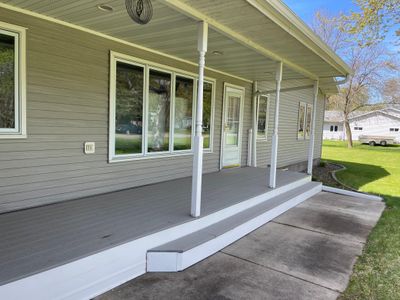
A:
(283, 16)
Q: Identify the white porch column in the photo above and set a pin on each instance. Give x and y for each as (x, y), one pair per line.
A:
(274, 147)
(198, 138)
(312, 133)
(255, 125)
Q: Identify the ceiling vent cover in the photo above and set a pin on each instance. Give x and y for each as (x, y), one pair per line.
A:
(140, 11)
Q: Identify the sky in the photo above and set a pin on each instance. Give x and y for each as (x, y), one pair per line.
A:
(305, 9)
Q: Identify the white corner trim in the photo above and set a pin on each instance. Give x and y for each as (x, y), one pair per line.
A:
(109, 37)
(351, 193)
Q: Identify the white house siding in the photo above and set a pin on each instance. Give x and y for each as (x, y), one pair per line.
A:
(375, 124)
(67, 104)
(290, 149)
(333, 135)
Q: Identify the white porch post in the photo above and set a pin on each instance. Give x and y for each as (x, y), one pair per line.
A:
(274, 147)
(198, 138)
(312, 133)
(254, 132)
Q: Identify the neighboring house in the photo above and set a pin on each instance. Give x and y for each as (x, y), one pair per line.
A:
(384, 122)
(97, 109)
(333, 126)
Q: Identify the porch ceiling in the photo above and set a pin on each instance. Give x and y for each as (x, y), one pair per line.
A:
(173, 31)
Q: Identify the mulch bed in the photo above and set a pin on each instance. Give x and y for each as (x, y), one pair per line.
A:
(323, 173)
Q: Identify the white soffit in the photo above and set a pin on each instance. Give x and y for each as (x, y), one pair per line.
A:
(174, 33)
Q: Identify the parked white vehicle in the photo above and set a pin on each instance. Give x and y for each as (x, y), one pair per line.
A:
(373, 140)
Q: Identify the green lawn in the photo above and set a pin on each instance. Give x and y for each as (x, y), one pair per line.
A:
(374, 170)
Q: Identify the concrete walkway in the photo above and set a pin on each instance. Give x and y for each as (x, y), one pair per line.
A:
(306, 253)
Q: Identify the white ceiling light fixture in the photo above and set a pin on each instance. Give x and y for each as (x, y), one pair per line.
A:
(217, 53)
(105, 7)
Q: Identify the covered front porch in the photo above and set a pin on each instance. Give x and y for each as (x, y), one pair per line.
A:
(97, 242)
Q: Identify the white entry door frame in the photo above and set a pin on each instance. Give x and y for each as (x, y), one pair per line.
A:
(232, 126)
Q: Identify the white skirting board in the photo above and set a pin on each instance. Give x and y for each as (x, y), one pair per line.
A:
(178, 261)
(95, 274)
(351, 193)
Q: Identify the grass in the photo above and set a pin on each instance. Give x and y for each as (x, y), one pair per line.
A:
(374, 170)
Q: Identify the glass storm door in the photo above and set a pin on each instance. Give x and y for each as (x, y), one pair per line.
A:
(231, 144)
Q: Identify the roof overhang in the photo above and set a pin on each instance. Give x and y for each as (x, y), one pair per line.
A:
(271, 33)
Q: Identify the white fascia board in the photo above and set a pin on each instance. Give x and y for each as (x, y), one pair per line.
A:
(283, 16)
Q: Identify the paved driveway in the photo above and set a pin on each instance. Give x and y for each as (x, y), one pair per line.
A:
(306, 253)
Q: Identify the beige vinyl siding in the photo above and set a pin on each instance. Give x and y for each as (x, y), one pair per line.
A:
(290, 149)
(67, 104)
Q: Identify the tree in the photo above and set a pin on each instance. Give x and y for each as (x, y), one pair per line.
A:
(370, 64)
(372, 23)
(391, 91)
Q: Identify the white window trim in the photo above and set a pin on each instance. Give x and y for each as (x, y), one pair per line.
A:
(147, 65)
(308, 105)
(265, 137)
(20, 83)
(301, 103)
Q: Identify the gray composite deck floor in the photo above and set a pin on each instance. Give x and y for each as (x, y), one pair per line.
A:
(38, 239)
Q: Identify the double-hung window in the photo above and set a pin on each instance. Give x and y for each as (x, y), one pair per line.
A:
(12, 81)
(308, 120)
(304, 121)
(262, 117)
(301, 120)
(152, 110)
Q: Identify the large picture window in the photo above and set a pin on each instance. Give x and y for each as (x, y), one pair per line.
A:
(12, 81)
(152, 110)
(262, 117)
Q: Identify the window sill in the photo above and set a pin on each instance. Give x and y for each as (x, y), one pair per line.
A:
(6, 136)
(118, 159)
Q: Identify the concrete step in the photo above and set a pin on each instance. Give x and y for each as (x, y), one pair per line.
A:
(182, 253)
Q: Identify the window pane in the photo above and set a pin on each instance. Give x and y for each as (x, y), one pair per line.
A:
(207, 107)
(300, 133)
(308, 120)
(183, 113)
(262, 117)
(7, 82)
(129, 109)
(159, 111)
(232, 121)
